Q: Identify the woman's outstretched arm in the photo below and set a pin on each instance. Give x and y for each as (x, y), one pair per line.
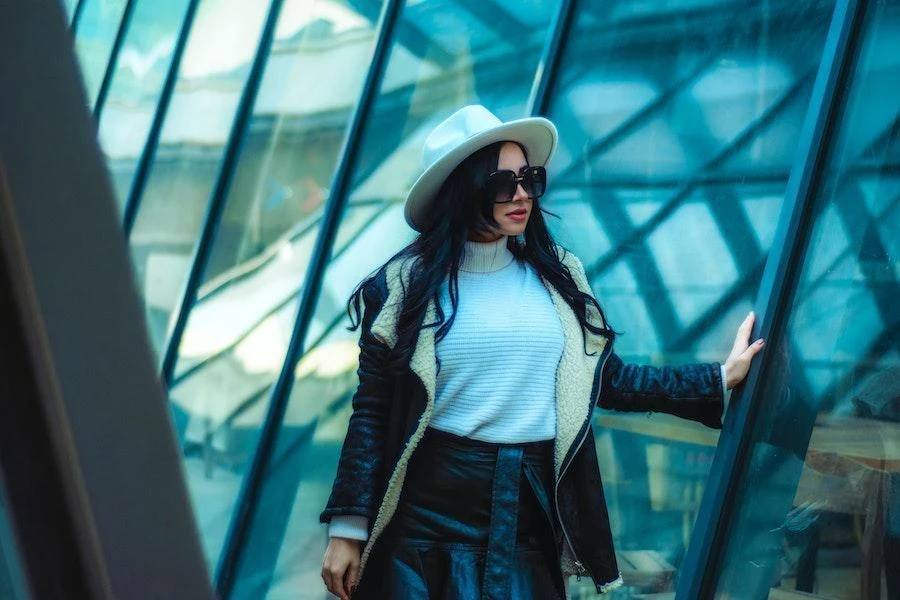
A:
(693, 392)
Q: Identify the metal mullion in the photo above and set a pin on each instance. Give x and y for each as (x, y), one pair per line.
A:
(103, 92)
(76, 17)
(251, 491)
(703, 561)
(219, 196)
(549, 65)
(145, 162)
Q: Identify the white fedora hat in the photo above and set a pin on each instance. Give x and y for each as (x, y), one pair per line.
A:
(462, 133)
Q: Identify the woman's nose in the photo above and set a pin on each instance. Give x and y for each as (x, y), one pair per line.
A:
(520, 194)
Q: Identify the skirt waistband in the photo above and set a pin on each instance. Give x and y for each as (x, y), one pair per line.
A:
(435, 438)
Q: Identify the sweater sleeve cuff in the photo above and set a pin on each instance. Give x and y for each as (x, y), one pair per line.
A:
(350, 527)
(726, 393)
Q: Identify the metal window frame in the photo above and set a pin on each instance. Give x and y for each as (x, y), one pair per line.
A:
(151, 144)
(549, 66)
(709, 540)
(251, 490)
(219, 197)
(113, 61)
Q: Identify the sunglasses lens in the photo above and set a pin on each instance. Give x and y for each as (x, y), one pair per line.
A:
(535, 181)
(502, 186)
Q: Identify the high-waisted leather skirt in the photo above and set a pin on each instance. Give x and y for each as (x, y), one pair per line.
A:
(475, 521)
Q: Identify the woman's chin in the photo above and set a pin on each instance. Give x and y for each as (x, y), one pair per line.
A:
(513, 229)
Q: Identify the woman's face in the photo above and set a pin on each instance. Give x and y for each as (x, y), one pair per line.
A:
(511, 217)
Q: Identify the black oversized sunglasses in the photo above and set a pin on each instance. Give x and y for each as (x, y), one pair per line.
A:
(501, 185)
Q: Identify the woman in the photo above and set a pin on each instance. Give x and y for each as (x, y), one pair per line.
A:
(469, 468)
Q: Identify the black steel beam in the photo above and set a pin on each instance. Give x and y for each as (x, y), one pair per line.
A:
(709, 541)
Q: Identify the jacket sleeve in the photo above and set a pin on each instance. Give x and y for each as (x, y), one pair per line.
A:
(692, 392)
(359, 468)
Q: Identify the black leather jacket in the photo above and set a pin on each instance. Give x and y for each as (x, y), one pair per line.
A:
(387, 410)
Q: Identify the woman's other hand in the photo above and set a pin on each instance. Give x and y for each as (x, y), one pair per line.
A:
(340, 568)
(738, 362)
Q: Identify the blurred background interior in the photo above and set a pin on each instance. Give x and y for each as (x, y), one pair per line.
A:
(260, 153)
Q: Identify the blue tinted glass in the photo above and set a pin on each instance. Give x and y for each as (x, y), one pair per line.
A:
(239, 327)
(211, 77)
(819, 505)
(678, 124)
(135, 87)
(97, 28)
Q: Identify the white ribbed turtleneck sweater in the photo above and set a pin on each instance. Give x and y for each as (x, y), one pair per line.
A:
(497, 364)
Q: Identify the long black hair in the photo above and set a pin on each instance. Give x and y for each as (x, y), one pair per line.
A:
(461, 206)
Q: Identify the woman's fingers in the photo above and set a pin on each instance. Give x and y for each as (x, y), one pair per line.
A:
(742, 337)
(333, 576)
(351, 577)
(340, 568)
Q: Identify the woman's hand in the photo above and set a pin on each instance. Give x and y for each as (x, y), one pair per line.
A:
(738, 362)
(340, 568)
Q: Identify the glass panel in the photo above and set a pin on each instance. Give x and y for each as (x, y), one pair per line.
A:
(819, 505)
(69, 7)
(135, 87)
(239, 328)
(97, 29)
(443, 57)
(12, 580)
(678, 123)
(211, 78)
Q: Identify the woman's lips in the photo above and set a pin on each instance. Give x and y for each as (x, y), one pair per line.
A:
(518, 215)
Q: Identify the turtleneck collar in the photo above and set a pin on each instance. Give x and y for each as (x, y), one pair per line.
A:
(485, 257)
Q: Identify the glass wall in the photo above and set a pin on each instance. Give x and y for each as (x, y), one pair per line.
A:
(241, 322)
(678, 128)
(819, 509)
(135, 86)
(674, 120)
(211, 79)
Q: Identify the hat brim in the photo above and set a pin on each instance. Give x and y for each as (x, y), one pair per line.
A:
(536, 134)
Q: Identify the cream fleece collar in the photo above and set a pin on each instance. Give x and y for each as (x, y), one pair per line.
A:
(486, 257)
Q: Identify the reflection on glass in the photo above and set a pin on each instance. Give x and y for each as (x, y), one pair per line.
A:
(678, 123)
(97, 29)
(210, 81)
(819, 509)
(239, 328)
(135, 87)
(12, 581)
(443, 57)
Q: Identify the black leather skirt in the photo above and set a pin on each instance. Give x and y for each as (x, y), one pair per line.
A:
(475, 521)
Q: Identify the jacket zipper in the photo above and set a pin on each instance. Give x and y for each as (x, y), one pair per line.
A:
(579, 566)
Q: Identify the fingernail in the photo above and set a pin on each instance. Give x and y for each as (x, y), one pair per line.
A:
(760, 341)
